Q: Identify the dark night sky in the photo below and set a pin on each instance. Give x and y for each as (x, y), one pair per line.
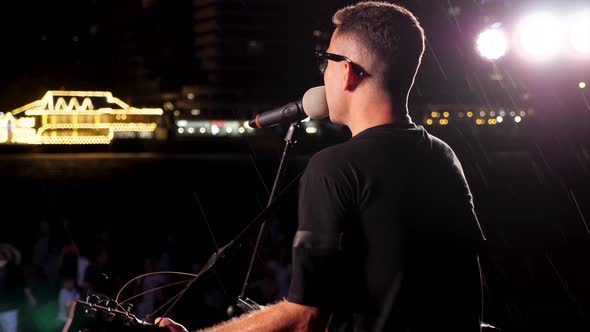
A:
(140, 48)
(125, 45)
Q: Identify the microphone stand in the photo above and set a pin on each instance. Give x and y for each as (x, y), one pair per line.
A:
(244, 302)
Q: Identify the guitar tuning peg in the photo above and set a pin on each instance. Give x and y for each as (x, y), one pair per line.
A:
(112, 304)
(92, 299)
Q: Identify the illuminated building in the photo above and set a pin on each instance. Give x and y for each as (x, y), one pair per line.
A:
(77, 117)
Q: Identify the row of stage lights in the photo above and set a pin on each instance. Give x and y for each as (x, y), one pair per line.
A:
(540, 36)
(443, 118)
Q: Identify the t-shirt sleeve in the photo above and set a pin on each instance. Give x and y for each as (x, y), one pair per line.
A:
(324, 202)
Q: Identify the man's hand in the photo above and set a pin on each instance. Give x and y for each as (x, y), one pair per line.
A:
(168, 325)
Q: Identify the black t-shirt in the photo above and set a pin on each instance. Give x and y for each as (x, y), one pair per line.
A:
(387, 237)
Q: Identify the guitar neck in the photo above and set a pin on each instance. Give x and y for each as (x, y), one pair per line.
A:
(87, 317)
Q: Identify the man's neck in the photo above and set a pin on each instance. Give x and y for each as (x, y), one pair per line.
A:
(371, 112)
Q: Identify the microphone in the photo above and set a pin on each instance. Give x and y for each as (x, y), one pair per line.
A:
(313, 105)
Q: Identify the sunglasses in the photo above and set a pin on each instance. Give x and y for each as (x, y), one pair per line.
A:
(323, 57)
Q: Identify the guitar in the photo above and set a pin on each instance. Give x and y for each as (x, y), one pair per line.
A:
(92, 316)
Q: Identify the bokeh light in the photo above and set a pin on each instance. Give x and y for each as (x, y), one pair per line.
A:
(580, 32)
(540, 36)
(492, 44)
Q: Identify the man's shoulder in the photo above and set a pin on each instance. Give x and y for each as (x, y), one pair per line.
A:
(331, 158)
(437, 145)
(339, 151)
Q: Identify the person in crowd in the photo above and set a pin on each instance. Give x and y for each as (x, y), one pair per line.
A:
(67, 295)
(14, 291)
(98, 275)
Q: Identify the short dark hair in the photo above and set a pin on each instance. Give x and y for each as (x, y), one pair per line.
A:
(395, 36)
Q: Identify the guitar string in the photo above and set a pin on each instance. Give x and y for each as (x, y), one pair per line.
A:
(207, 222)
(154, 289)
(176, 296)
(149, 274)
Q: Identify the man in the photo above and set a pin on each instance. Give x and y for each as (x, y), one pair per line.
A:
(387, 238)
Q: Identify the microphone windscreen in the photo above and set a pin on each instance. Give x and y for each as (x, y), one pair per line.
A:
(314, 103)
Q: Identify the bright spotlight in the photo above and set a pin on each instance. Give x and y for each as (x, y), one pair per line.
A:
(492, 44)
(582, 85)
(540, 36)
(580, 32)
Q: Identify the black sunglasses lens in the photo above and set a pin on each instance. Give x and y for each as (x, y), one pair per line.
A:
(322, 61)
(322, 64)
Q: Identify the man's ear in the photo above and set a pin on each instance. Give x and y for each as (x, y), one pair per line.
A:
(351, 78)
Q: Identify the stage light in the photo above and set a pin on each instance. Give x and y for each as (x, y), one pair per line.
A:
(191, 130)
(429, 122)
(517, 119)
(241, 130)
(540, 36)
(180, 130)
(492, 43)
(582, 85)
(580, 32)
(214, 130)
(202, 130)
(499, 119)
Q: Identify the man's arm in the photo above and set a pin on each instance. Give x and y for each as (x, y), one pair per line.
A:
(283, 316)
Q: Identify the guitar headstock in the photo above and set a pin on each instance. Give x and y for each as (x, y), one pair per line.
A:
(90, 316)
